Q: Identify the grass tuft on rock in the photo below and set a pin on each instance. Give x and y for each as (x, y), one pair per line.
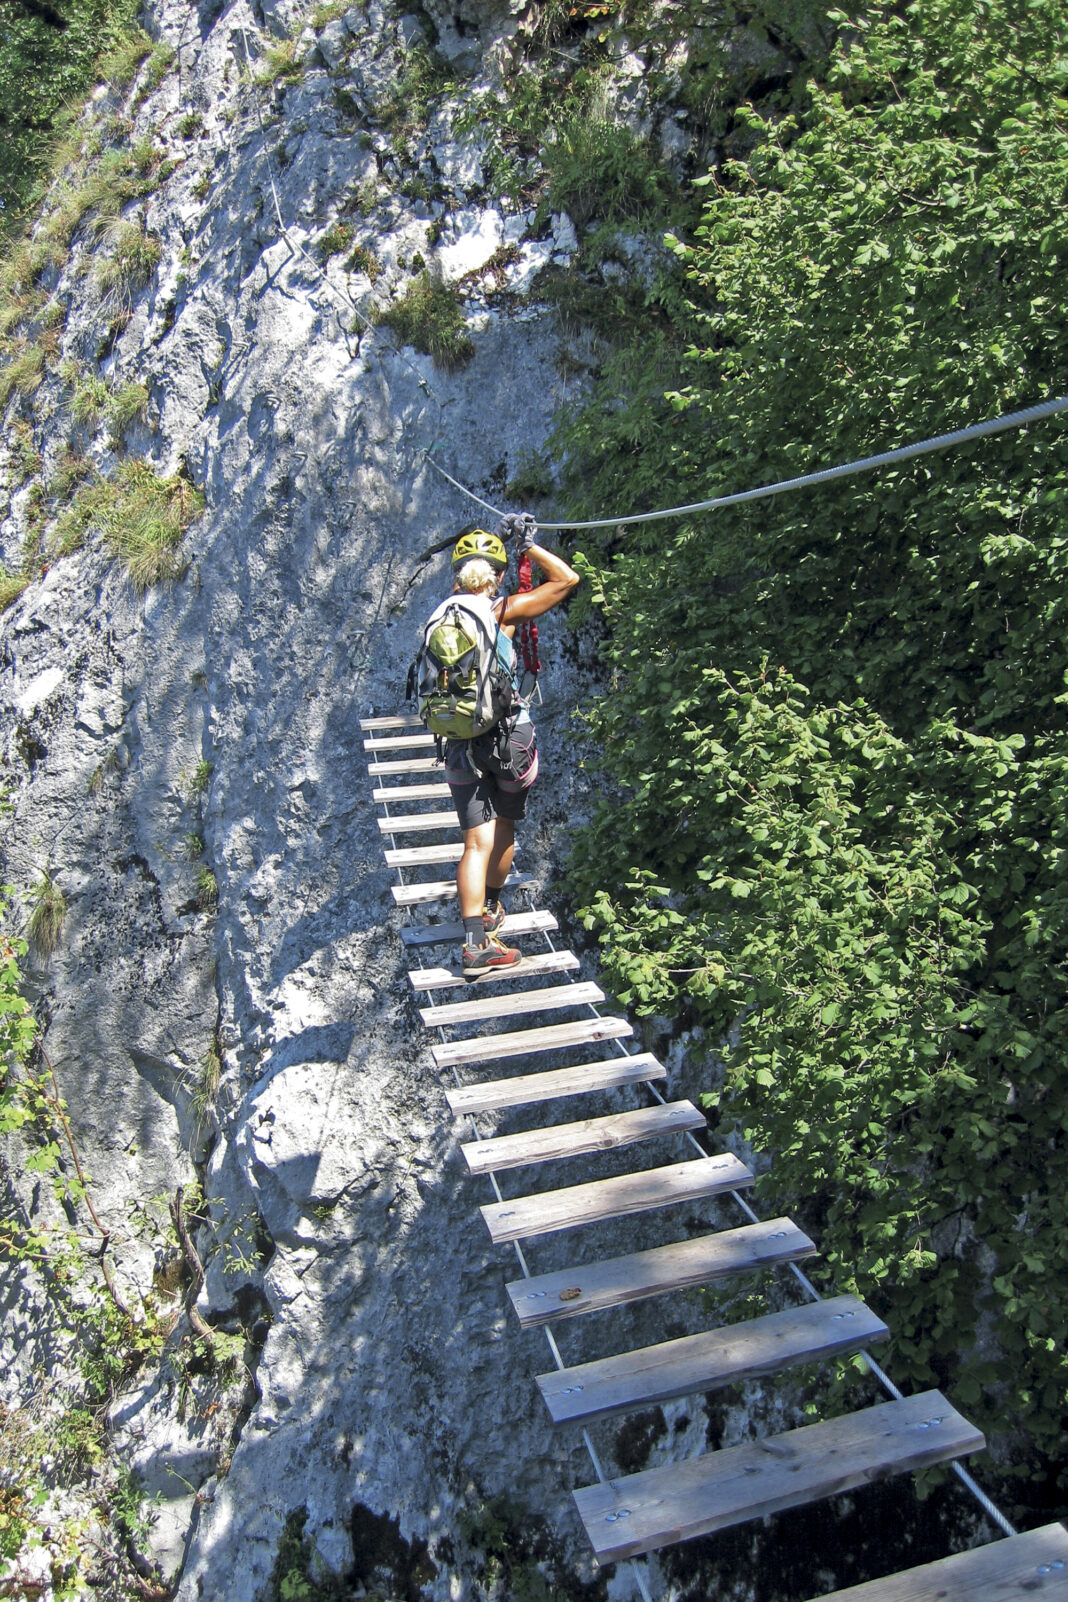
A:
(47, 915)
(430, 318)
(141, 516)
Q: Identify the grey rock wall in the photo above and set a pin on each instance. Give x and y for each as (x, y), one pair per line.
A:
(388, 1376)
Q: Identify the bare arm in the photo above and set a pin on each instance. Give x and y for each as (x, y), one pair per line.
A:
(558, 580)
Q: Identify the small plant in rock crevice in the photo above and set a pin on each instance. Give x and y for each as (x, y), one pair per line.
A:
(23, 372)
(11, 587)
(278, 64)
(334, 241)
(199, 779)
(430, 317)
(47, 915)
(207, 892)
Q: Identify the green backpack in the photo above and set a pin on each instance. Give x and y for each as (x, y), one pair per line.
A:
(463, 689)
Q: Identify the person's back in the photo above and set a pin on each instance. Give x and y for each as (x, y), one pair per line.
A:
(490, 776)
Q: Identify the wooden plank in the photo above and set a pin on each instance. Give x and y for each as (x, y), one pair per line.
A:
(709, 1361)
(524, 1089)
(414, 822)
(406, 765)
(1033, 1564)
(534, 967)
(411, 792)
(554, 1210)
(408, 722)
(643, 1512)
(423, 856)
(399, 742)
(553, 1037)
(512, 1005)
(591, 1287)
(587, 1134)
(515, 924)
(416, 895)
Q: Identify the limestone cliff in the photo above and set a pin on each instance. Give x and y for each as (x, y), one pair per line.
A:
(185, 767)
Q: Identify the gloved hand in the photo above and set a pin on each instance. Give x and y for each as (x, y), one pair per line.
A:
(519, 526)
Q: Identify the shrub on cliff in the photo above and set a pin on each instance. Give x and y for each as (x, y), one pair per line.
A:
(840, 843)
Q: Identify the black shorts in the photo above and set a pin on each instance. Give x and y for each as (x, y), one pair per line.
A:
(479, 792)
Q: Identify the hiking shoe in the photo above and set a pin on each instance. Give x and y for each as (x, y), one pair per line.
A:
(488, 957)
(492, 920)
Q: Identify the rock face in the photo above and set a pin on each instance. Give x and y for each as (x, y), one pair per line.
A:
(210, 728)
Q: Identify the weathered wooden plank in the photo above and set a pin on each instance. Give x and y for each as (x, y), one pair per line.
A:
(710, 1360)
(416, 895)
(1031, 1565)
(590, 1287)
(542, 962)
(400, 742)
(406, 765)
(415, 822)
(407, 722)
(423, 856)
(411, 792)
(512, 1005)
(586, 1135)
(658, 1507)
(515, 924)
(553, 1037)
(524, 1089)
(554, 1210)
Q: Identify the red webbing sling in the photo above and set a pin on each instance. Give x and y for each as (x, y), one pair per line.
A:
(527, 632)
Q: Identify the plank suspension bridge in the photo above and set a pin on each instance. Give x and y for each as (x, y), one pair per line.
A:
(627, 1516)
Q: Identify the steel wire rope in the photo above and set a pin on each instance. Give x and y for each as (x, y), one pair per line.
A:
(985, 1502)
(863, 464)
(640, 1579)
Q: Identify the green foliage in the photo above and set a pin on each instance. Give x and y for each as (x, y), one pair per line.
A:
(278, 64)
(207, 890)
(430, 317)
(141, 516)
(424, 75)
(334, 241)
(362, 259)
(11, 587)
(199, 779)
(597, 166)
(206, 1089)
(89, 400)
(23, 371)
(47, 915)
(45, 71)
(838, 846)
(128, 405)
(132, 257)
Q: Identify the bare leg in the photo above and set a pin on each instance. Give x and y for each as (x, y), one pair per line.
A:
(500, 862)
(488, 851)
(472, 868)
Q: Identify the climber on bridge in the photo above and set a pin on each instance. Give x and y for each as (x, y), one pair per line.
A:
(490, 778)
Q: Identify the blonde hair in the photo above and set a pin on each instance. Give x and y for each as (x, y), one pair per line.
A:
(476, 576)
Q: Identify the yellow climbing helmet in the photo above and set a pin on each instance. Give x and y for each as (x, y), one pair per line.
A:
(475, 541)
